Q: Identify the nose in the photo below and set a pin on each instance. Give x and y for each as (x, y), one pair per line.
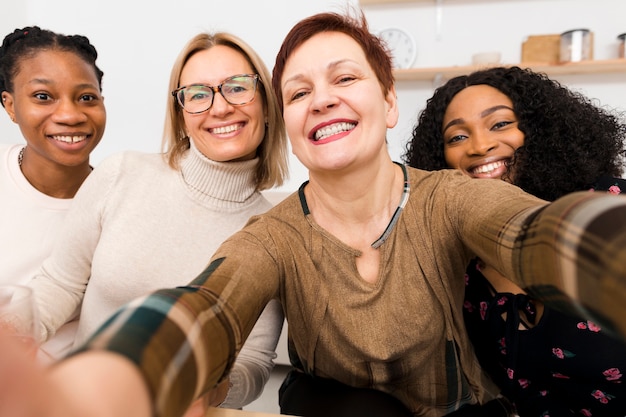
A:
(322, 99)
(68, 112)
(481, 143)
(220, 105)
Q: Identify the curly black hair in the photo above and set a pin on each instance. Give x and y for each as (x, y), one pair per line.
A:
(25, 42)
(569, 142)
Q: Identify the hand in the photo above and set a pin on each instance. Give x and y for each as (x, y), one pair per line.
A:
(22, 385)
(212, 398)
(92, 384)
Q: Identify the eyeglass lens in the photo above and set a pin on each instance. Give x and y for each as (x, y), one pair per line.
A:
(236, 90)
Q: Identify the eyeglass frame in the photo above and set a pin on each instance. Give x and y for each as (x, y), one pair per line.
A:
(217, 89)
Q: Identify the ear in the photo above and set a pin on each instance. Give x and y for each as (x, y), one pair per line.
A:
(7, 101)
(391, 100)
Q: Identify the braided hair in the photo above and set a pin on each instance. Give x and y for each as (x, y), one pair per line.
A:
(569, 141)
(27, 42)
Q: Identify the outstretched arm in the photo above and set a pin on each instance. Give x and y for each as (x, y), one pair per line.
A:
(184, 340)
(570, 254)
(575, 249)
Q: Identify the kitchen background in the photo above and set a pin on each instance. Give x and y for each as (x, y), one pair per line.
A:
(139, 40)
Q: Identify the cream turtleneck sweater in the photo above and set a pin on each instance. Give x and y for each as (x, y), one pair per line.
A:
(137, 225)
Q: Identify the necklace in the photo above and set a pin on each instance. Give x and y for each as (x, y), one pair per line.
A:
(20, 156)
(396, 215)
(394, 219)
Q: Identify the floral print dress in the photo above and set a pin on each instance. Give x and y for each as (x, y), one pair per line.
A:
(559, 365)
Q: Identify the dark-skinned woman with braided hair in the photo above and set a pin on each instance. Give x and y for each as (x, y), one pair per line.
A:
(51, 88)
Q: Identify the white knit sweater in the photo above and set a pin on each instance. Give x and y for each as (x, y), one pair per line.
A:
(137, 225)
(29, 224)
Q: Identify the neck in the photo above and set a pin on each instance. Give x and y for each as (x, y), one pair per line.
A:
(226, 184)
(357, 194)
(362, 214)
(57, 182)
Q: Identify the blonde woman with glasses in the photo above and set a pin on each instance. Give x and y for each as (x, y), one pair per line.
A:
(146, 221)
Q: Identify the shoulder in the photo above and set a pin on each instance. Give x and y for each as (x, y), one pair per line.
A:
(131, 163)
(131, 159)
(5, 147)
(278, 225)
(442, 185)
(451, 183)
(7, 150)
(121, 170)
(287, 211)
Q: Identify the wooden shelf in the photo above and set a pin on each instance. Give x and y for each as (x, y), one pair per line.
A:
(371, 2)
(390, 1)
(571, 68)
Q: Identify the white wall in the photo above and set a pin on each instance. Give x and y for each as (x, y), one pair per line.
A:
(139, 40)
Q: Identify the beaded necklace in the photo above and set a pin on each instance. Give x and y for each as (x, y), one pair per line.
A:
(20, 156)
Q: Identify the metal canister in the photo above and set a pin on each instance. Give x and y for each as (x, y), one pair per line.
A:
(575, 45)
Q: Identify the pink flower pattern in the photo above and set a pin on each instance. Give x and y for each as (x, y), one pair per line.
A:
(614, 189)
(612, 374)
(589, 325)
(483, 309)
(601, 396)
(562, 354)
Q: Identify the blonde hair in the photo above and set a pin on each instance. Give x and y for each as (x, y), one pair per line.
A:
(272, 152)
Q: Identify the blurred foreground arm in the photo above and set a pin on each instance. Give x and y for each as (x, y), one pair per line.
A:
(575, 249)
(73, 388)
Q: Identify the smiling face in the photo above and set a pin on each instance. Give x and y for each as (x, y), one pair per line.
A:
(335, 110)
(480, 132)
(58, 106)
(225, 132)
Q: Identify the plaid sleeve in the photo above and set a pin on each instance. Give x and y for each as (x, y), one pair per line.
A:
(185, 339)
(575, 250)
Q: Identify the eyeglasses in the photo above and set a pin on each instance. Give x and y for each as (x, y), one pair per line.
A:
(236, 90)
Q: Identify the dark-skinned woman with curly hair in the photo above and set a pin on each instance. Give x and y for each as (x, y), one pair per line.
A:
(522, 127)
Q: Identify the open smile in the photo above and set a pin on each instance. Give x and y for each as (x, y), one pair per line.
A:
(223, 130)
(69, 138)
(333, 129)
(490, 170)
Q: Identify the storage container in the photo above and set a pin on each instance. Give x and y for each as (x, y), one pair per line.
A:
(575, 45)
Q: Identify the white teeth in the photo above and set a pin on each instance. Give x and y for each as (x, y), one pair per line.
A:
(69, 139)
(483, 169)
(333, 130)
(226, 129)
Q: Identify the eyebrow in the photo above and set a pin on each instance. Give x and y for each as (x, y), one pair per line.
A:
(484, 113)
(331, 65)
(46, 81)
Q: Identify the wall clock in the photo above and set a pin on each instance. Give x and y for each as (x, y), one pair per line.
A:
(402, 46)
